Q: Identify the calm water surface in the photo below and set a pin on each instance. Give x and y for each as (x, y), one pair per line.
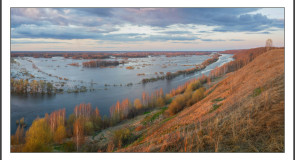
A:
(31, 106)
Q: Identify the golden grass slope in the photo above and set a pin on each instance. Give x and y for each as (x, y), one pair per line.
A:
(242, 113)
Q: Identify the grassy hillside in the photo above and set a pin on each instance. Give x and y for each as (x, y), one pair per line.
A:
(244, 112)
(239, 107)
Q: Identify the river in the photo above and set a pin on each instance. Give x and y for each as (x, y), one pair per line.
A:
(103, 97)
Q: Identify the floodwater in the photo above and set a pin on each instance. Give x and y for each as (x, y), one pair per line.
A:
(103, 97)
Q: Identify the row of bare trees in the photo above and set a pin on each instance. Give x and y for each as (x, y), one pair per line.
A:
(55, 128)
(99, 63)
(197, 68)
(126, 109)
(241, 58)
(24, 86)
(102, 55)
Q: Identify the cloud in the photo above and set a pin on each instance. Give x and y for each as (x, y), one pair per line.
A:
(141, 16)
(204, 31)
(35, 42)
(68, 33)
(176, 32)
(186, 42)
(100, 23)
(171, 37)
(211, 40)
(50, 31)
(163, 17)
(236, 40)
(102, 12)
(247, 22)
(60, 16)
(265, 32)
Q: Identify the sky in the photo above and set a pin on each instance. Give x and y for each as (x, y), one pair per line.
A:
(144, 29)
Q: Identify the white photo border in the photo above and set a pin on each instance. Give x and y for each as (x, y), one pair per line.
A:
(287, 4)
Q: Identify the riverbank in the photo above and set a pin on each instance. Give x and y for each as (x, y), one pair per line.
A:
(38, 105)
(197, 68)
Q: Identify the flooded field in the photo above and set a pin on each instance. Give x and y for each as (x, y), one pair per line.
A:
(102, 87)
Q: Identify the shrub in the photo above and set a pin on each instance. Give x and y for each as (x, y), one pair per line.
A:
(218, 99)
(88, 128)
(69, 146)
(122, 137)
(168, 99)
(176, 105)
(160, 102)
(38, 137)
(193, 86)
(257, 91)
(186, 99)
(59, 134)
(97, 123)
(214, 107)
(137, 104)
(69, 124)
(198, 94)
(22, 121)
(130, 67)
(18, 137)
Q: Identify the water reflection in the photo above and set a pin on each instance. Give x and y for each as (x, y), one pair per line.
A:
(31, 106)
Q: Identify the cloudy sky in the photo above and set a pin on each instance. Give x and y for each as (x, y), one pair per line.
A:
(144, 29)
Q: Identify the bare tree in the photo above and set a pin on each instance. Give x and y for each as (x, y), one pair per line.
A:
(268, 44)
(78, 132)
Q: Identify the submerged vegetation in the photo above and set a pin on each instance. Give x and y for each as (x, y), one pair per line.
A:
(57, 129)
(100, 63)
(238, 114)
(207, 114)
(103, 55)
(74, 64)
(21, 86)
(67, 83)
(197, 68)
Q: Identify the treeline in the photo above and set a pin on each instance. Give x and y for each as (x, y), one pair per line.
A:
(34, 54)
(126, 109)
(198, 82)
(104, 55)
(87, 56)
(187, 94)
(192, 91)
(241, 58)
(243, 51)
(70, 133)
(56, 129)
(67, 54)
(174, 54)
(24, 86)
(100, 63)
(132, 54)
(74, 64)
(197, 68)
(167, 54)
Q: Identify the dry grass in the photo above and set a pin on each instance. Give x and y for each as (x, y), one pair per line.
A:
(250, 119)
